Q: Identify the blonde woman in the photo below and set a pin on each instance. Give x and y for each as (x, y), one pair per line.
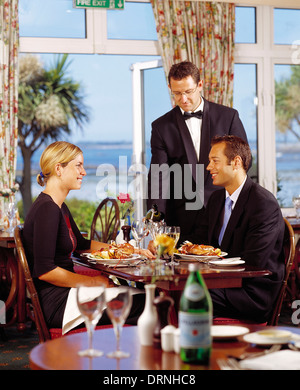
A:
(50, 234)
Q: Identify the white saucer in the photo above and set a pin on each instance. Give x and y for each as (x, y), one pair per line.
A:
(227, 262)
(269, 337)
(227, 331)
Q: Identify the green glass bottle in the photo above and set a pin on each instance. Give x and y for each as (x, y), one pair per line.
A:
(154, 215)
(195, 319)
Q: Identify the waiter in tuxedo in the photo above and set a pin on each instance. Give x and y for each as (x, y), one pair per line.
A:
(180, 142)
(245, 220)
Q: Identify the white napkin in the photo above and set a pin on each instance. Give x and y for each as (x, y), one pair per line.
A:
(72, 315)
(280, 360)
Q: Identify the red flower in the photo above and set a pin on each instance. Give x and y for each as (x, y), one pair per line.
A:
(124, 198)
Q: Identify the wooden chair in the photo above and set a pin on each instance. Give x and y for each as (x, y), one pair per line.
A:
(289, 250)
(104, 228)
(38, 316)
(289, 245)
(106, 221)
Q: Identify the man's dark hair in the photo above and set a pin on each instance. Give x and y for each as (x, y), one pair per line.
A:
(235, 146)
(182, 70)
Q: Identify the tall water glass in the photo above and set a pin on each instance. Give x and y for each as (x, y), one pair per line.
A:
(174, 232)
(156, 228)
(139, 231)
(118, 304)
(90, 301)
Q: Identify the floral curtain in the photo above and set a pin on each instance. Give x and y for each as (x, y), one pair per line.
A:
(203, 33)
(9, 43)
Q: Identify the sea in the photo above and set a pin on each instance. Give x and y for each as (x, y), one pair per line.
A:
(108, 166)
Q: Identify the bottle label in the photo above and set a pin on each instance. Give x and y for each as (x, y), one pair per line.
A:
(194, 292)
(194, 330)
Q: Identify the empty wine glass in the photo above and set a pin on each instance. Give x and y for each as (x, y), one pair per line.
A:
(174, 232)
(11, 213)
(90, 301)
(139, 231)
(156, 228)
(118, 304)
(296, 202)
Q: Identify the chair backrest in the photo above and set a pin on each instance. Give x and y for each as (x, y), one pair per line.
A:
(106, 221)
(289, 246)
(39, 319)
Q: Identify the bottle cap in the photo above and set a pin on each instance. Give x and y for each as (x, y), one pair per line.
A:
(193, 267)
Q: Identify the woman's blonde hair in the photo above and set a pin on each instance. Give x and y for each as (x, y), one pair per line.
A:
(59, 152)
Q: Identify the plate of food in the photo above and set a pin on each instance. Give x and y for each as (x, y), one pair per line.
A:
(189, 251)
(114, 254)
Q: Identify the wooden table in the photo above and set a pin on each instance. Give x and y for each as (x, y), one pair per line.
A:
(214, 276)
(173, 284)
(12, 284)
(61, 354)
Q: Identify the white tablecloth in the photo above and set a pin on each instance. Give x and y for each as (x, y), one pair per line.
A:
(72, 315)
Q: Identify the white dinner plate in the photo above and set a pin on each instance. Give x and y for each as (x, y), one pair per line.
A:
(129, 260)
(269, 338)
(228, 331)
(227, 262)
(185, 257)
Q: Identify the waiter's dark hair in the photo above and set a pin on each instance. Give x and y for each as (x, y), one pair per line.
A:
(182, 70)
(235, 146)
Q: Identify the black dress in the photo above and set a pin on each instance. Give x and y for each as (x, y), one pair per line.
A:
(50, 236)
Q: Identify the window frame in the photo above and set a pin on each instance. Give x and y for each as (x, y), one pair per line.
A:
(96, 41)
(264, 53)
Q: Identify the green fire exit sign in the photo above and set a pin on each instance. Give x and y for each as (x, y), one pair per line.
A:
(110, 4)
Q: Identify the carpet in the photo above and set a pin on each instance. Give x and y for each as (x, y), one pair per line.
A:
(16, 346)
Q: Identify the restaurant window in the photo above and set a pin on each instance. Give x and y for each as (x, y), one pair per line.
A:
(255, 56)
(135, 21)
(35, 20)
(245, 101)
(286, 26)
(101, 97)
(245, 24)
(287, 89)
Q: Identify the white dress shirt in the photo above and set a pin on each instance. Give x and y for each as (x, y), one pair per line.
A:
(235, 195)
(194, 125)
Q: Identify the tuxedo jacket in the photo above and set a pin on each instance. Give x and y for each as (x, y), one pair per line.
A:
(255, 233)
(172, 145)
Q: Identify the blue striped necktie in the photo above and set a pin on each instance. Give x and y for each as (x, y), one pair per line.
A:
(227, 213)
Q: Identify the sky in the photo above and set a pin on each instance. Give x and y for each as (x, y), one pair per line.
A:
(107, 80)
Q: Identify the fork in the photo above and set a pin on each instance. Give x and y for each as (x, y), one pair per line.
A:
(228, 364)
(250, 355)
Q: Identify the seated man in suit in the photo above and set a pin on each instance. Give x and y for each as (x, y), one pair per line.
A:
(255, 231)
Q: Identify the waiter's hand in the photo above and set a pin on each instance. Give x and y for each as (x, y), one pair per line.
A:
(151, 247)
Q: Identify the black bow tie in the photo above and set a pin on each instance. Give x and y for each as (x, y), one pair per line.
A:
(187, 115)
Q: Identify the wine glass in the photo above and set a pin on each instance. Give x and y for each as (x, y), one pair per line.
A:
(139, 231)
(11, 212)
(296, 202)
(90, 302)
(118, 304)
(174, 232)
(156, 228)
